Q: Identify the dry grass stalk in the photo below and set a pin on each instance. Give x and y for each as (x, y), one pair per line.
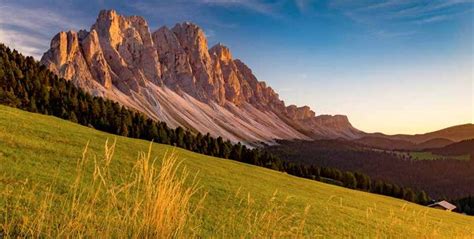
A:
(152, 202)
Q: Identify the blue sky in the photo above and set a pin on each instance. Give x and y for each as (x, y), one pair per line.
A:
(391, 66)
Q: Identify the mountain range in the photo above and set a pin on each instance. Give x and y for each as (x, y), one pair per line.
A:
(430, 140)
(172, 76)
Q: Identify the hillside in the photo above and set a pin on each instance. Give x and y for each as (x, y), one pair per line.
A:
(459, 148)
(385, 143)
(401, 144)
(434, 143)
(42, 148)
(454, 133)
(439, 178)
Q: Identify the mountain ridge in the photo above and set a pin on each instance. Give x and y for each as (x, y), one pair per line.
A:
(430, 140)
(454, 133)
(121, 59)
(458, 148)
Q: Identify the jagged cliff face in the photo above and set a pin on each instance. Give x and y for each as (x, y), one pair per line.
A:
(171, 75)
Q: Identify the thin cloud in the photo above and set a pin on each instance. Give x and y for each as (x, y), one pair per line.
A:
(30, 30)
(420, 10)
(393, 34)
(386, 4)
(210, 34)
(28, 45)
(386, 18)
(304, 6)
(301, 5)
(166, 11)
(34, 23)
(170, 13)
(432, 19)
(265, 8)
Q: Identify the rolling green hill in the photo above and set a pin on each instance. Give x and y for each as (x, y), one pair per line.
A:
(36, 150)
(465, 147)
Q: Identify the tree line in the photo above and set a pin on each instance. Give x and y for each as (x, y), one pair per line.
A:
(27, 85)
(441, 178)
(465, 205)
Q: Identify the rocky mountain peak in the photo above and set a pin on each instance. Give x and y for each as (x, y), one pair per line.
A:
(128, 49)
(175, 66)
(171, 75)
(209, 82)
(192, 38)
(108, 25)
(64, 45)
(105, 14)
(300, 113)
(222, 52)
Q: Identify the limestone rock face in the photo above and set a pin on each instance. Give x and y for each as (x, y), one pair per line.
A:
(299, 113)
(127, 45)
(94, 56)
(175, 67)
(256, 92)
(66, 59)
(209, 84)
(229, 73)
(172, 76)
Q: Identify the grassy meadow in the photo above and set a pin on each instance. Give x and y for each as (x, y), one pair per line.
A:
(432, 156)
(59, 179)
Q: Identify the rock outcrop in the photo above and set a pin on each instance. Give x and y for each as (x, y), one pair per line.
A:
(171, 75)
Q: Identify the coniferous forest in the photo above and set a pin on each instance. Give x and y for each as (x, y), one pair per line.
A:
(27, 85)
(465, 205)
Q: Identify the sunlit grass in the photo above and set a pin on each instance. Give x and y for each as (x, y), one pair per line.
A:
(431, 156)
(39, 163)
(150, 202)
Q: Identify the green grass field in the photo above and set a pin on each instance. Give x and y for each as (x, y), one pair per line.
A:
(36, 150)
(431, 156)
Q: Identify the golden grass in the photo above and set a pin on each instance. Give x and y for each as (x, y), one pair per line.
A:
(37, 155)
(162, 201)
(262, 221)
(150, 203)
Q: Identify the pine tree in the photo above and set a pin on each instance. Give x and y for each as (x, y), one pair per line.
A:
(236, 152)
(32, 105)
(378, 188)
(163, 136)
(73, 117)
(389, 190)
(396, 191)
(179, 137)
(349, 180)
(422, 198)
(226, 149)
(153, 132)
(409, 195)
(123, 130)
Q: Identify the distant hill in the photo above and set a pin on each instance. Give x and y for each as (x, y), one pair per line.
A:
(436, 139)
(449, 177)
(454, 133)
(459, 148)
(400, 144)
(385, 143)
(434, 143)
